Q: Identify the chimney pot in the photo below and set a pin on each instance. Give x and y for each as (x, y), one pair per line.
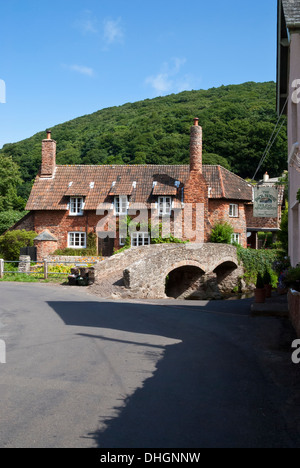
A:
(48, 134)
(266, 177)
(196, 122)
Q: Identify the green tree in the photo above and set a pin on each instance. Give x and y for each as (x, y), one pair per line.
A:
(214, 159)
(12, 241)
(9, 218)
(237, 122)
(10, 178)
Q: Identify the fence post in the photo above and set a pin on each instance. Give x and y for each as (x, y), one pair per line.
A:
(1, 268)
(45, 269)
(24, 264)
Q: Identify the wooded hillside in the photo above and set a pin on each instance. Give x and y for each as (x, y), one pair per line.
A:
(237, 122)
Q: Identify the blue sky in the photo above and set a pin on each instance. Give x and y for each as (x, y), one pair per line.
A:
(63, 59)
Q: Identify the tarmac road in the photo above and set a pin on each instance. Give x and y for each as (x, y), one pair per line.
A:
(86, 372)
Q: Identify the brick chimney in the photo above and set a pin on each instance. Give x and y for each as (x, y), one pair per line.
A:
(196, 147)
(48, 156)
(196, 192)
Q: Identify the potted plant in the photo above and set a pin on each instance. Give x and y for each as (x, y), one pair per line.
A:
(267, 283)
(259, 292)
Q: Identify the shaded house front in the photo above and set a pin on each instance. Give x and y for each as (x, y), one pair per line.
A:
(69, 202)
(288, 102)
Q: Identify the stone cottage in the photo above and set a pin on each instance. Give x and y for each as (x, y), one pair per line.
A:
(67, 202)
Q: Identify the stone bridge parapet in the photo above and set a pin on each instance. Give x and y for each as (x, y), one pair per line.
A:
(189, 266)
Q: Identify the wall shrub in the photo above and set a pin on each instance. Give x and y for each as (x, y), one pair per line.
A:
(258, 261)
(221, 233)
(12, 241)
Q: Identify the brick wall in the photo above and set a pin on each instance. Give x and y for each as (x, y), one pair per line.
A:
(59, 223)
(26, 223)
(263, 223)
(200, 216)
(44, 248)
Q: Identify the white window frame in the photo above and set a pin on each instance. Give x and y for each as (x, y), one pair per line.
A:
(140, 239)
(164, 206)
(77, 237)
(235, 237)
(76, 206)
(233, 210)
(121, 205)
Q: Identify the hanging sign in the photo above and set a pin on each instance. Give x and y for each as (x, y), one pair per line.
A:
(265, 202)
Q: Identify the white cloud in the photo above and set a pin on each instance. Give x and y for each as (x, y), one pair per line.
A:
(168, 79)
(87, 23)
(113, 31)
(160, 83)
(81, 69)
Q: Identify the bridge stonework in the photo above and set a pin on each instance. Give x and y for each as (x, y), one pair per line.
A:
(204, 270)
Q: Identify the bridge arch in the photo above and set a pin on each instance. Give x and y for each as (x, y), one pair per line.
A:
(227, 272)
(183, 278)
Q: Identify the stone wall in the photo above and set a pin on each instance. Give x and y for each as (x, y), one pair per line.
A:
(72, 259)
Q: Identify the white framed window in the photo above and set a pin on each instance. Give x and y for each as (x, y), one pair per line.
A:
(164, 205)
(140, 238)
(76, 206)
(233, 210)
(121, 205)
(77, 240)
(235, 238)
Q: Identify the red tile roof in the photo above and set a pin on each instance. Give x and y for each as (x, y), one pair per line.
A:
(54, 193)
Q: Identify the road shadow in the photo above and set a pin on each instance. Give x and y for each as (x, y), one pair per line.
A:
(211, 389)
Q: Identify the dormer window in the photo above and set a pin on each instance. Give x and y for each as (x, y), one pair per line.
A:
(76, 206)
(121, 205)
(164, 206)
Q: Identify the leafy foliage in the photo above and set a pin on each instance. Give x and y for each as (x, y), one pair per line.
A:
(221, 233)
(258, 261)
(9, 218)
(10, 179)
(283, 234)
(12, 241)
(237, 122)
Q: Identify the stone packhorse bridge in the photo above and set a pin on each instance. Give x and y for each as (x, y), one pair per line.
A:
(170, 270)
